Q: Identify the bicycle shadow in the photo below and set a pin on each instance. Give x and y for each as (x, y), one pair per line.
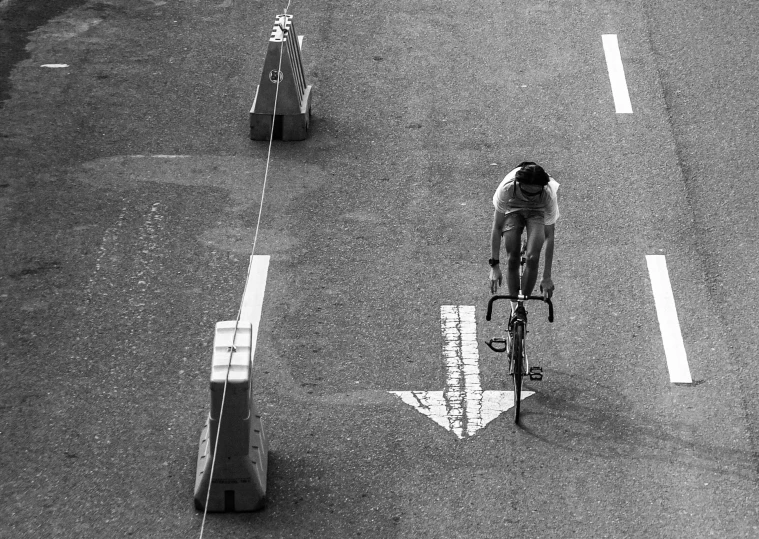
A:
(607, 425)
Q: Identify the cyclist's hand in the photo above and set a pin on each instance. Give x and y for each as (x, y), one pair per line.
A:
(495, 278)
(546, 286)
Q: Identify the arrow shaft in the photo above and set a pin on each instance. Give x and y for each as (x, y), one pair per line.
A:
(463, 392)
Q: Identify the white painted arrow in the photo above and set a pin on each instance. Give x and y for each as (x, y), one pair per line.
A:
(463, 407)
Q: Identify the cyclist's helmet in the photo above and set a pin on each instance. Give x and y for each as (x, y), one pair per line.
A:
(530, 173)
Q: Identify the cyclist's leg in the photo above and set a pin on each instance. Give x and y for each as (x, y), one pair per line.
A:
(535, 239)
(512, 234)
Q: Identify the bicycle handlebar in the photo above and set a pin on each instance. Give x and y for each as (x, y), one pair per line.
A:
(520, 298)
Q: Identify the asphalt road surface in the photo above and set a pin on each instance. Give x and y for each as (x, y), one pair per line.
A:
(129, 194)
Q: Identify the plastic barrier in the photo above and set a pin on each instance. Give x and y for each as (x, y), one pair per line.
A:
(239, 465)
(293, 113)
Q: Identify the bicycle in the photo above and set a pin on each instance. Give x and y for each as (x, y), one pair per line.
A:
(514, 345)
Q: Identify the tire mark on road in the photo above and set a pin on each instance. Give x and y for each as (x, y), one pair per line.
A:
(108, 242)
(147, 246)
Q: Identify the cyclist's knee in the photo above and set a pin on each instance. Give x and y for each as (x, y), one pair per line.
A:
(532, 258)
(513, 259)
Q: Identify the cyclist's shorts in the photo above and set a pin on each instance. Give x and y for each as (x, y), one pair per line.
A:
(519, 219)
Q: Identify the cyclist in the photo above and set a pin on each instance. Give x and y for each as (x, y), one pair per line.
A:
(526, 198)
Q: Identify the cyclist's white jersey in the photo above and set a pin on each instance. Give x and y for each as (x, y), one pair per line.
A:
(508, 199)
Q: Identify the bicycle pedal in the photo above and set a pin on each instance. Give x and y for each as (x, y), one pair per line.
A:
(500, 350)
(536, 373)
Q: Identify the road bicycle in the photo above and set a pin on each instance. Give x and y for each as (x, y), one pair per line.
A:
(514, 345)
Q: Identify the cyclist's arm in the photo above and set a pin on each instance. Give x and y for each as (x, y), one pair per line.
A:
(496, 276)
(548, 263)
(495, 235)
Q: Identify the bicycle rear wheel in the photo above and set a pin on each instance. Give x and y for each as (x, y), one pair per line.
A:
(517, 365)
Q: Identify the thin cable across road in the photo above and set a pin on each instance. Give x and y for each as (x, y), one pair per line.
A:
(283, 27)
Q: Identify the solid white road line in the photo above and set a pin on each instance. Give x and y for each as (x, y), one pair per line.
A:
(674, 348)
(616, 74)
(253, 297)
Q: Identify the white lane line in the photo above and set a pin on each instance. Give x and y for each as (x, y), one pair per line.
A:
(55, 66)
(159, 156)
(253, 296)
(616, 74)
(674, 348)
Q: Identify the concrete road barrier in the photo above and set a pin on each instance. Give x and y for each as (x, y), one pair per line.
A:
(233, 440)
(293, 98)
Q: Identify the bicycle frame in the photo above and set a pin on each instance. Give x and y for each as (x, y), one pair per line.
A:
(514, 345)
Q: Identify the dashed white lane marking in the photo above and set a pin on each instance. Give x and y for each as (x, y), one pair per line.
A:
(616, 74)
(160, 156)
(674, 348)
(253, 296)
(55, 66)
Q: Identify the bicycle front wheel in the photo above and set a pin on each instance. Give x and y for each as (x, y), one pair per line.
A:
(517, 367)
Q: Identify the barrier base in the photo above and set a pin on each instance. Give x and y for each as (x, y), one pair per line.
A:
(287, 127)
(239, 481)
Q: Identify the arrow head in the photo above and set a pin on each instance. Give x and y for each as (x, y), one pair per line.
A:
(479, 408)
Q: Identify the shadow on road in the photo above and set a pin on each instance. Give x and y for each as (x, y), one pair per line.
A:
(18, 18)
